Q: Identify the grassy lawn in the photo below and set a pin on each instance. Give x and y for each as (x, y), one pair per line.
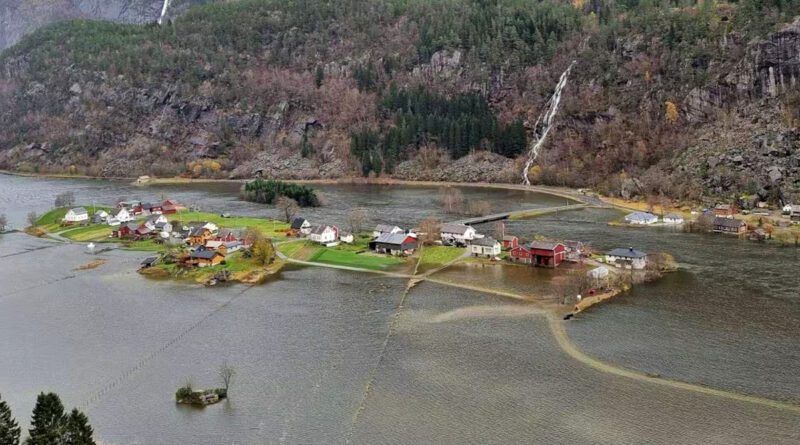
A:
(51, 221)
(95, 232)
(147, 245)
(437, 256)
(351, 259)
(291, 248)
(269, 227)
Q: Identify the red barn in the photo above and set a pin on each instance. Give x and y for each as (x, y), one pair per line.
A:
(510, 242)
(520, 254)
(546, 253)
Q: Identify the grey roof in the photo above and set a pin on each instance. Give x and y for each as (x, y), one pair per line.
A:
(626, 253)
(197, 231)
(80, 211)
(384, 228)
(487, 241)
(509, 237)
(319, 230)
(728, 222)
(297, 222)
(543, 245)
(204, 254)
(153, 218)
(161, 225)
(640, 216)
(391, 238)
(458, 229)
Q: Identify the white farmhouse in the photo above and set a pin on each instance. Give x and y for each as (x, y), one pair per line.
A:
(301, 225)
(457, 233)
(78, 214)
(324, 234)
(673, 219)
(154, 220)
(642, 218)
(122, 216)
(626, 258)
(486, 246)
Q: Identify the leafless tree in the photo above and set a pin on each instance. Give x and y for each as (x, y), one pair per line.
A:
(3, 223)
(430, 230)
(288, 207)
(452, 200)
(65, 199)
(226, 374)
(499, 230)
(356, 218)
(479, 207)
(33, 219)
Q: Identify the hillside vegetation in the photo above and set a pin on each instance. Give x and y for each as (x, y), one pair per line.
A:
(675, 98)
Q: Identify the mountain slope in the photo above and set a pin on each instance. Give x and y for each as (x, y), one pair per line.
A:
(664, 99)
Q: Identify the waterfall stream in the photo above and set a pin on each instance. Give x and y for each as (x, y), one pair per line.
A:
(544, 122)
(164, 10)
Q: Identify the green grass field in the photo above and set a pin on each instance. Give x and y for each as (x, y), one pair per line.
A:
(94, 232)
(291, 248)
(351, 259)
(437, 256)
(271, 228)
(51, 221)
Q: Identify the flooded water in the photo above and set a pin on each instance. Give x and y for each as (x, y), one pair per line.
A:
(325, 356)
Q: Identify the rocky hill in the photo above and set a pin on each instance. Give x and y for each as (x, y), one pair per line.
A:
(674, 98)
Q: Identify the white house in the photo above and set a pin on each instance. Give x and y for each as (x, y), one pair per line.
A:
(673, 219)
(324, 234)
(154, 220)
(486, 246)
(787, 209)
(346, 237)
(301, 225)
(100, 216)
(626, 258)
(457, 233)
(641, 218)
(78, 214)
(383, 229)
(598, 273)
(122, 216)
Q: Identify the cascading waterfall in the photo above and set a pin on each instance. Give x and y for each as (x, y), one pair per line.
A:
(164, 10)
(544, 122)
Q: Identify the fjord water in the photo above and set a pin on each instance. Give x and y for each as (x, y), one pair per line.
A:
(325, 356)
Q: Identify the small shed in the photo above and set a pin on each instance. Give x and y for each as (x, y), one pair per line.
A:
(510, 242)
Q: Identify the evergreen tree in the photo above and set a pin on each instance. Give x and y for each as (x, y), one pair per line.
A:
(319, 76)
(9, 430)
(47, 421)
(77, 430)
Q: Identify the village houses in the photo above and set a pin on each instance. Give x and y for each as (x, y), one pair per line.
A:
(486, 246)
(382, 229)
(729, 226)
(459, 234)
(539, 253)
(626, 258)
(398, 244)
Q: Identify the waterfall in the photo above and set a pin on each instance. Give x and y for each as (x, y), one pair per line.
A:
(544, 122)
(164, 10)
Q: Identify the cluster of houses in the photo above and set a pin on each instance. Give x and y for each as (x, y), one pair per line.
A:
(793, 212)
(646, 218)
(327, 235)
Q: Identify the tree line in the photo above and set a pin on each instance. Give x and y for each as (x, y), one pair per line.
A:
(50, 424)
(268, 191)
(459, 124)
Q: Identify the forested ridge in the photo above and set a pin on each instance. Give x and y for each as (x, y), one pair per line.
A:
(323, 88)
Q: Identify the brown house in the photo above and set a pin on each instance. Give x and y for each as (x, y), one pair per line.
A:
(724, 211)
(204, 258)
(729, 225)
(198, 236)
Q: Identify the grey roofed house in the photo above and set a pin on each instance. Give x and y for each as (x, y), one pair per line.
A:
(80, 211)
(391, 238)
(729, 222)
(487, 241)
(319, 229)
(204, 254)
(459, 229)
(197, 231)
(626, 253)
(543, 245)
(297, 222)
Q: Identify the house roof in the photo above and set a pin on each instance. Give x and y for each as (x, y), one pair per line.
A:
(487, 241)
(204, 254)
(392, 238)
(626, 253)
(672, 216)
(320, 229)
(729, 222)
(385, 228)
(298, 222)
(197, 231)
(79, 211)
(640, 216)
(509, 238)
(543, 245)
(458, 229)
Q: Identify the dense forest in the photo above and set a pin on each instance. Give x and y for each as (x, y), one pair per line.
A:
(324, 88)
(268, 192)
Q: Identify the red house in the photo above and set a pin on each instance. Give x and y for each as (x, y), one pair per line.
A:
(520, 254)
(510, 242)
(168, 209)
(546, 253)
(125, 230)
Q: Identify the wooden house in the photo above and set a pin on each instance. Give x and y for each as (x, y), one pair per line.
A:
(641, 218)
(547, 254)
(520, 254)
(724, 211)
(300, 226)
(458, 234)
(199, 235)
(76, 215)
(729, 225)
(205, 258)
(324, 234)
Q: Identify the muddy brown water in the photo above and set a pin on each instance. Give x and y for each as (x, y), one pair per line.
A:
(324, 356)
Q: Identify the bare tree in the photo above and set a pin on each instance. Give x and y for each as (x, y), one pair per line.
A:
(288, 207)
(452, 200)
(65, 199)
(33, 219)
(430, 230)
(226, 374)
(499, 230)
(3, 222)
(356, 218)
(479, 207)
